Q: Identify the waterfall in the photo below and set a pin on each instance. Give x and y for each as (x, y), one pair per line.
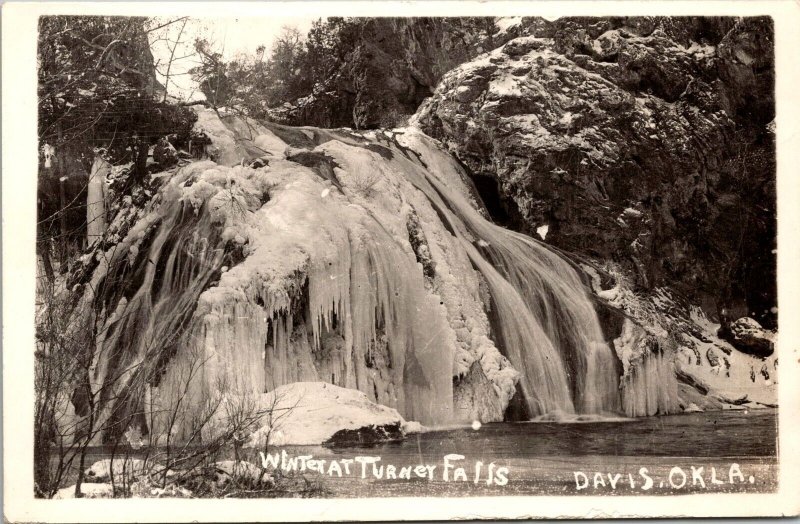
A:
(141, 303)
(235, 281)
(328, 295)
(547, 323)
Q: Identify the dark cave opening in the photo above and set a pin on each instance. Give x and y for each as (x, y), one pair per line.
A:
(489, 190)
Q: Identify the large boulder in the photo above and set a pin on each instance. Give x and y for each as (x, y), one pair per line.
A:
(640, 140)
(313, 413)
(747, 335)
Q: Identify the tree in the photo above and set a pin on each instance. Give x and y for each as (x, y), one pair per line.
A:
(328, 43)
(98, 95)
(94, 74)
(211, 75)
(253, 83)
(286, 67)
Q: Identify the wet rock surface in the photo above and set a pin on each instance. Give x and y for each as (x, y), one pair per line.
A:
(366, 436)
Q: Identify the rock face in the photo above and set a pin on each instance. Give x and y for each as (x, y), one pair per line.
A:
(474, 393)
(390, 66)
(668, 338)
(641, 140)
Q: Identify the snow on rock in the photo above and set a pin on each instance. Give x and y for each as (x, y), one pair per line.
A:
(665, 338)
(270, 144)
(389, 59)
(692, 408)
(731, 376)
(542, 231)
(235, 139)
(123, 469)
(596, 126)
(505, 23)
(224, 144)
(412, 426)
(748, 336)
(310, 413)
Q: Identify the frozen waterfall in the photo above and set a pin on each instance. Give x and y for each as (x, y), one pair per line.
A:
(374, 272)
(546, 322)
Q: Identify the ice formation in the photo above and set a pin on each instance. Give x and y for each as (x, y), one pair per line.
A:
(358, 260)
(95, 200)
(649, 384)
(545, 321)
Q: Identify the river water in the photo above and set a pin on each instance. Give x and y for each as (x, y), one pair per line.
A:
(736, 450)
(543, 457)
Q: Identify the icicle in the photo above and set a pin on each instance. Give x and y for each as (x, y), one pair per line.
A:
(329, 288)
(369, 319)
(96, 200)
(650, 387)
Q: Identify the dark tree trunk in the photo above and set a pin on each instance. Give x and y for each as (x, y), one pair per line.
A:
(48, 265)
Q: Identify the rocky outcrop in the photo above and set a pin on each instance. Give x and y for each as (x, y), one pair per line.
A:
(640, 140)
(667, 338)
(474, 393)
(747, 335)
(389, 66)
(366, 436)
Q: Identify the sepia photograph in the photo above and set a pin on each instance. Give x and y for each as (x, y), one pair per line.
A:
(404, 256)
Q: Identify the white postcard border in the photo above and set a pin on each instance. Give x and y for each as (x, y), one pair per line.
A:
(19, 163)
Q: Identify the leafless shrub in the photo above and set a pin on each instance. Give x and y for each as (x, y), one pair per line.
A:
(364, 183)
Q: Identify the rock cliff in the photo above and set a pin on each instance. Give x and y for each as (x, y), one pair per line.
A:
(645, 141)
(389, 65)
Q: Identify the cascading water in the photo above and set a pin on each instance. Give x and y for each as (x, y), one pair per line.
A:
(242, 280)
(547, 323)
(342, 303)
(152, 295)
